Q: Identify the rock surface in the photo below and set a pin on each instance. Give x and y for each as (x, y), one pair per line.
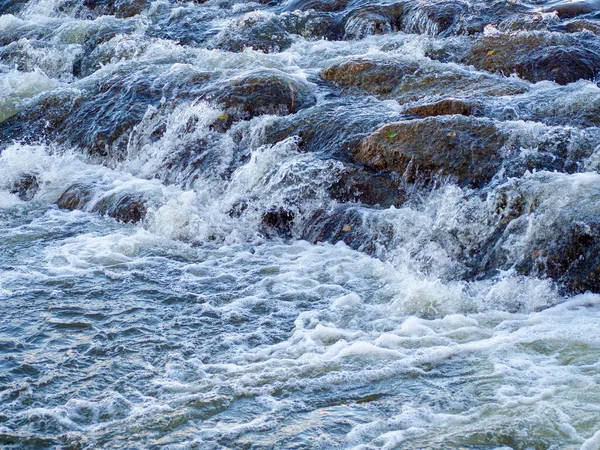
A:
(538, 56)
(466, 149)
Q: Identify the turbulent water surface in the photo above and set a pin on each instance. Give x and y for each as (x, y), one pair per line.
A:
(209, 242)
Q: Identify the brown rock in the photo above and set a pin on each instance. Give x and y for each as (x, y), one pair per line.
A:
(442, 108)
(76, 197)
(409, 81)
(370, 76)
(538, 56)
(464, 148)
(263, 92)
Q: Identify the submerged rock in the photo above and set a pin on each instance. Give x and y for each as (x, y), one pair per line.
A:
(256, 30)
(359, 184)
(100, 117)
(118, 8)
(278, 222)
(25, 187)
(124, 207)
(349, 224)
(418, 17)
(471, 151)
(540, 234)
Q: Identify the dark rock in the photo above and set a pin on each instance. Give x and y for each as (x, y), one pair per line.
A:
(418, 17)
(100, 118)
(538, 56)
(258, 31)
(25, 187)
(349, 224)
(127, 208)
(317, 5)
(262, 92)
(11, 6)
(410, 81)
(333, 129)
(76, 197)
(92, 58)
(374, 20)
(312, 24)
(574, 8)
(124, 207)
(434, 18)
(536, 237)
(574, 259)
(529, 22)
(185, 22)
(575, 26)
(466, 149)
(278, 222)
(359, 184)
(43, 118)
(442, 108)
(118, 8)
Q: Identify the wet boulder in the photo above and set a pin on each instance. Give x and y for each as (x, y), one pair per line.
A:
(317, 5)
(118, 8)
(332, 128)
(11, 6)
(100, 117)
(25, 187)
(358, 184)
(416, 17)
(444, 107)
(410, 80)
(353, 225)
(538, 56)
(278, 222)
(124, 207)
(547, 225)
(568, 9)
(76, 197)
(257, 30)
(434, 18)
(373, 20)
(94, 52)
(44, 117)
(258, 93)
(573, 260)
(54, 60)
(465, 149)
(575, 26)
(377, 77)
(312, 24)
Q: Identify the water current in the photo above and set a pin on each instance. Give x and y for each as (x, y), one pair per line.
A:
(299, 224)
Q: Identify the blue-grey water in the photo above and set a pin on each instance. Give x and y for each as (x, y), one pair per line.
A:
(197, 327)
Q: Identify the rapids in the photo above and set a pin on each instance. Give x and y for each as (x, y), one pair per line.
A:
(299, 224)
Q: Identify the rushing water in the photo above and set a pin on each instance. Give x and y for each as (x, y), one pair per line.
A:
(216, 312)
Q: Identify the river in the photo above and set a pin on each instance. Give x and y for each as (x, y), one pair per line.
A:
(210, 240)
